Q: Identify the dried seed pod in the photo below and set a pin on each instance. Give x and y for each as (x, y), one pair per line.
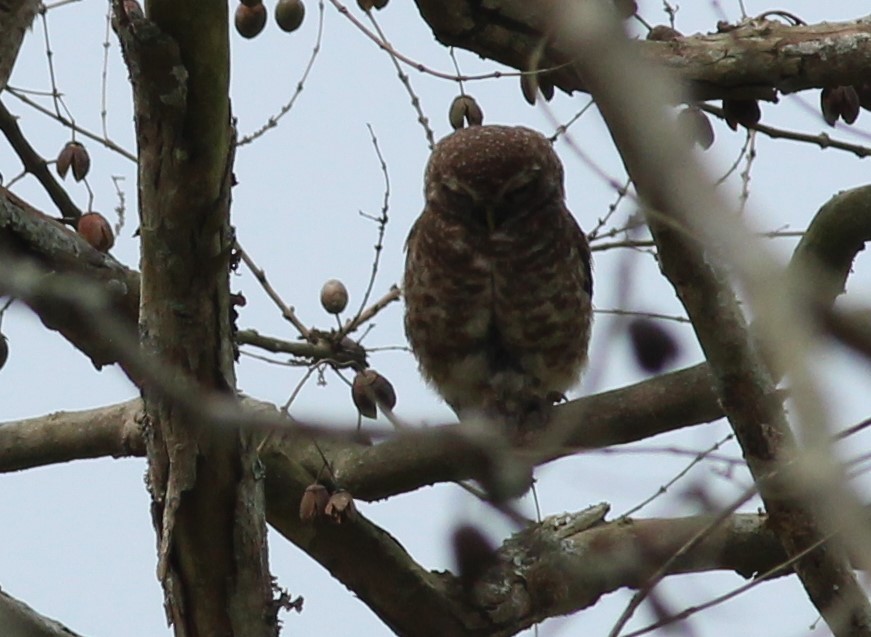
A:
(464, 109)
(664, 33)
(314, 502)
(830, 104)
(340, 507)
(385, 395)
(546, 88)
(366, 5)
(289, 14)
(473, 554)
(739, 111)
(653, 346)
(697, 125)
(4, 350)
(626, 8)
(371, 390)
(529, 87)
(334, 296)
(96, 230)
(849, 104)
(362, 394)
(73, 155)
(250, 20)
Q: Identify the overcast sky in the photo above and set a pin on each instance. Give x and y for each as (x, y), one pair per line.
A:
(77, 539)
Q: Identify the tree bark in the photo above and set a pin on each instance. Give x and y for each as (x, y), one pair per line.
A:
(207, 495)
(753, 60)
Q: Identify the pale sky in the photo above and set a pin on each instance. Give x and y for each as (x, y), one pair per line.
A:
(77, 539)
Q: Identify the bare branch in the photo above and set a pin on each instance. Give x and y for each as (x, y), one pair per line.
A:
(20, 620)
(755, 60)
(36, 165)
(823, 140)
(675, 190)
(64, 436)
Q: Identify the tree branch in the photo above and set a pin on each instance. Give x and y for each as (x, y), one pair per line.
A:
(35, 164)
(113, 431)
(562, 565)
(20, 620)
(207, 496)
(755, 60)
(676, 192)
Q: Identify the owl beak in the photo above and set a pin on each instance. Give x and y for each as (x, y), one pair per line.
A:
(491, 218)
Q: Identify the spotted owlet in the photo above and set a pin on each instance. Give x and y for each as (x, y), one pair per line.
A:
(497, 281)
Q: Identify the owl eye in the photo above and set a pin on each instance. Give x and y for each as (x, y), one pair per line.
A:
(457, 198)
(521, 191)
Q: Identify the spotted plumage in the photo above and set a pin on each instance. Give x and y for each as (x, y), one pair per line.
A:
(497, 280)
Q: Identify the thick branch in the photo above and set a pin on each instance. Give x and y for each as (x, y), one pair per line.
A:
(29, 233)
(755, 60)
(20, 620)
(836, 235)
(64, 436)
(36, 165)
(407, 461)
(559, 566)
(421, 457)
(207, 501)
(677, 192)
(553, 568)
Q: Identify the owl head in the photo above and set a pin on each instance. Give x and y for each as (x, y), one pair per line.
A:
(492, 176)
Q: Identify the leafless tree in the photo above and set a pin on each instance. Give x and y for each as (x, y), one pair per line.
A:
(220, 468)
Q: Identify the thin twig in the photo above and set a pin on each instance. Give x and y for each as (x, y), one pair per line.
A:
(37, 166)
(745, 174)
(652, 315)
(5, 307)
(286, 311)
(406, 82)
(690, 544)
(452, 51)
(286, 407)
(629, 243)
(49, 55)
(104, 75)
(392, 295)
(612, 208)
(662, 490)
(121, 208)
(382, 221)
(822, 140)
(272, 361)
(108, 143)
(386, 46)
(562, 129)
(272, 122)
(735, 163)
(759, 579)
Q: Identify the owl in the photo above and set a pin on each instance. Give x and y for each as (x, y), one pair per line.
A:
(498, 283)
